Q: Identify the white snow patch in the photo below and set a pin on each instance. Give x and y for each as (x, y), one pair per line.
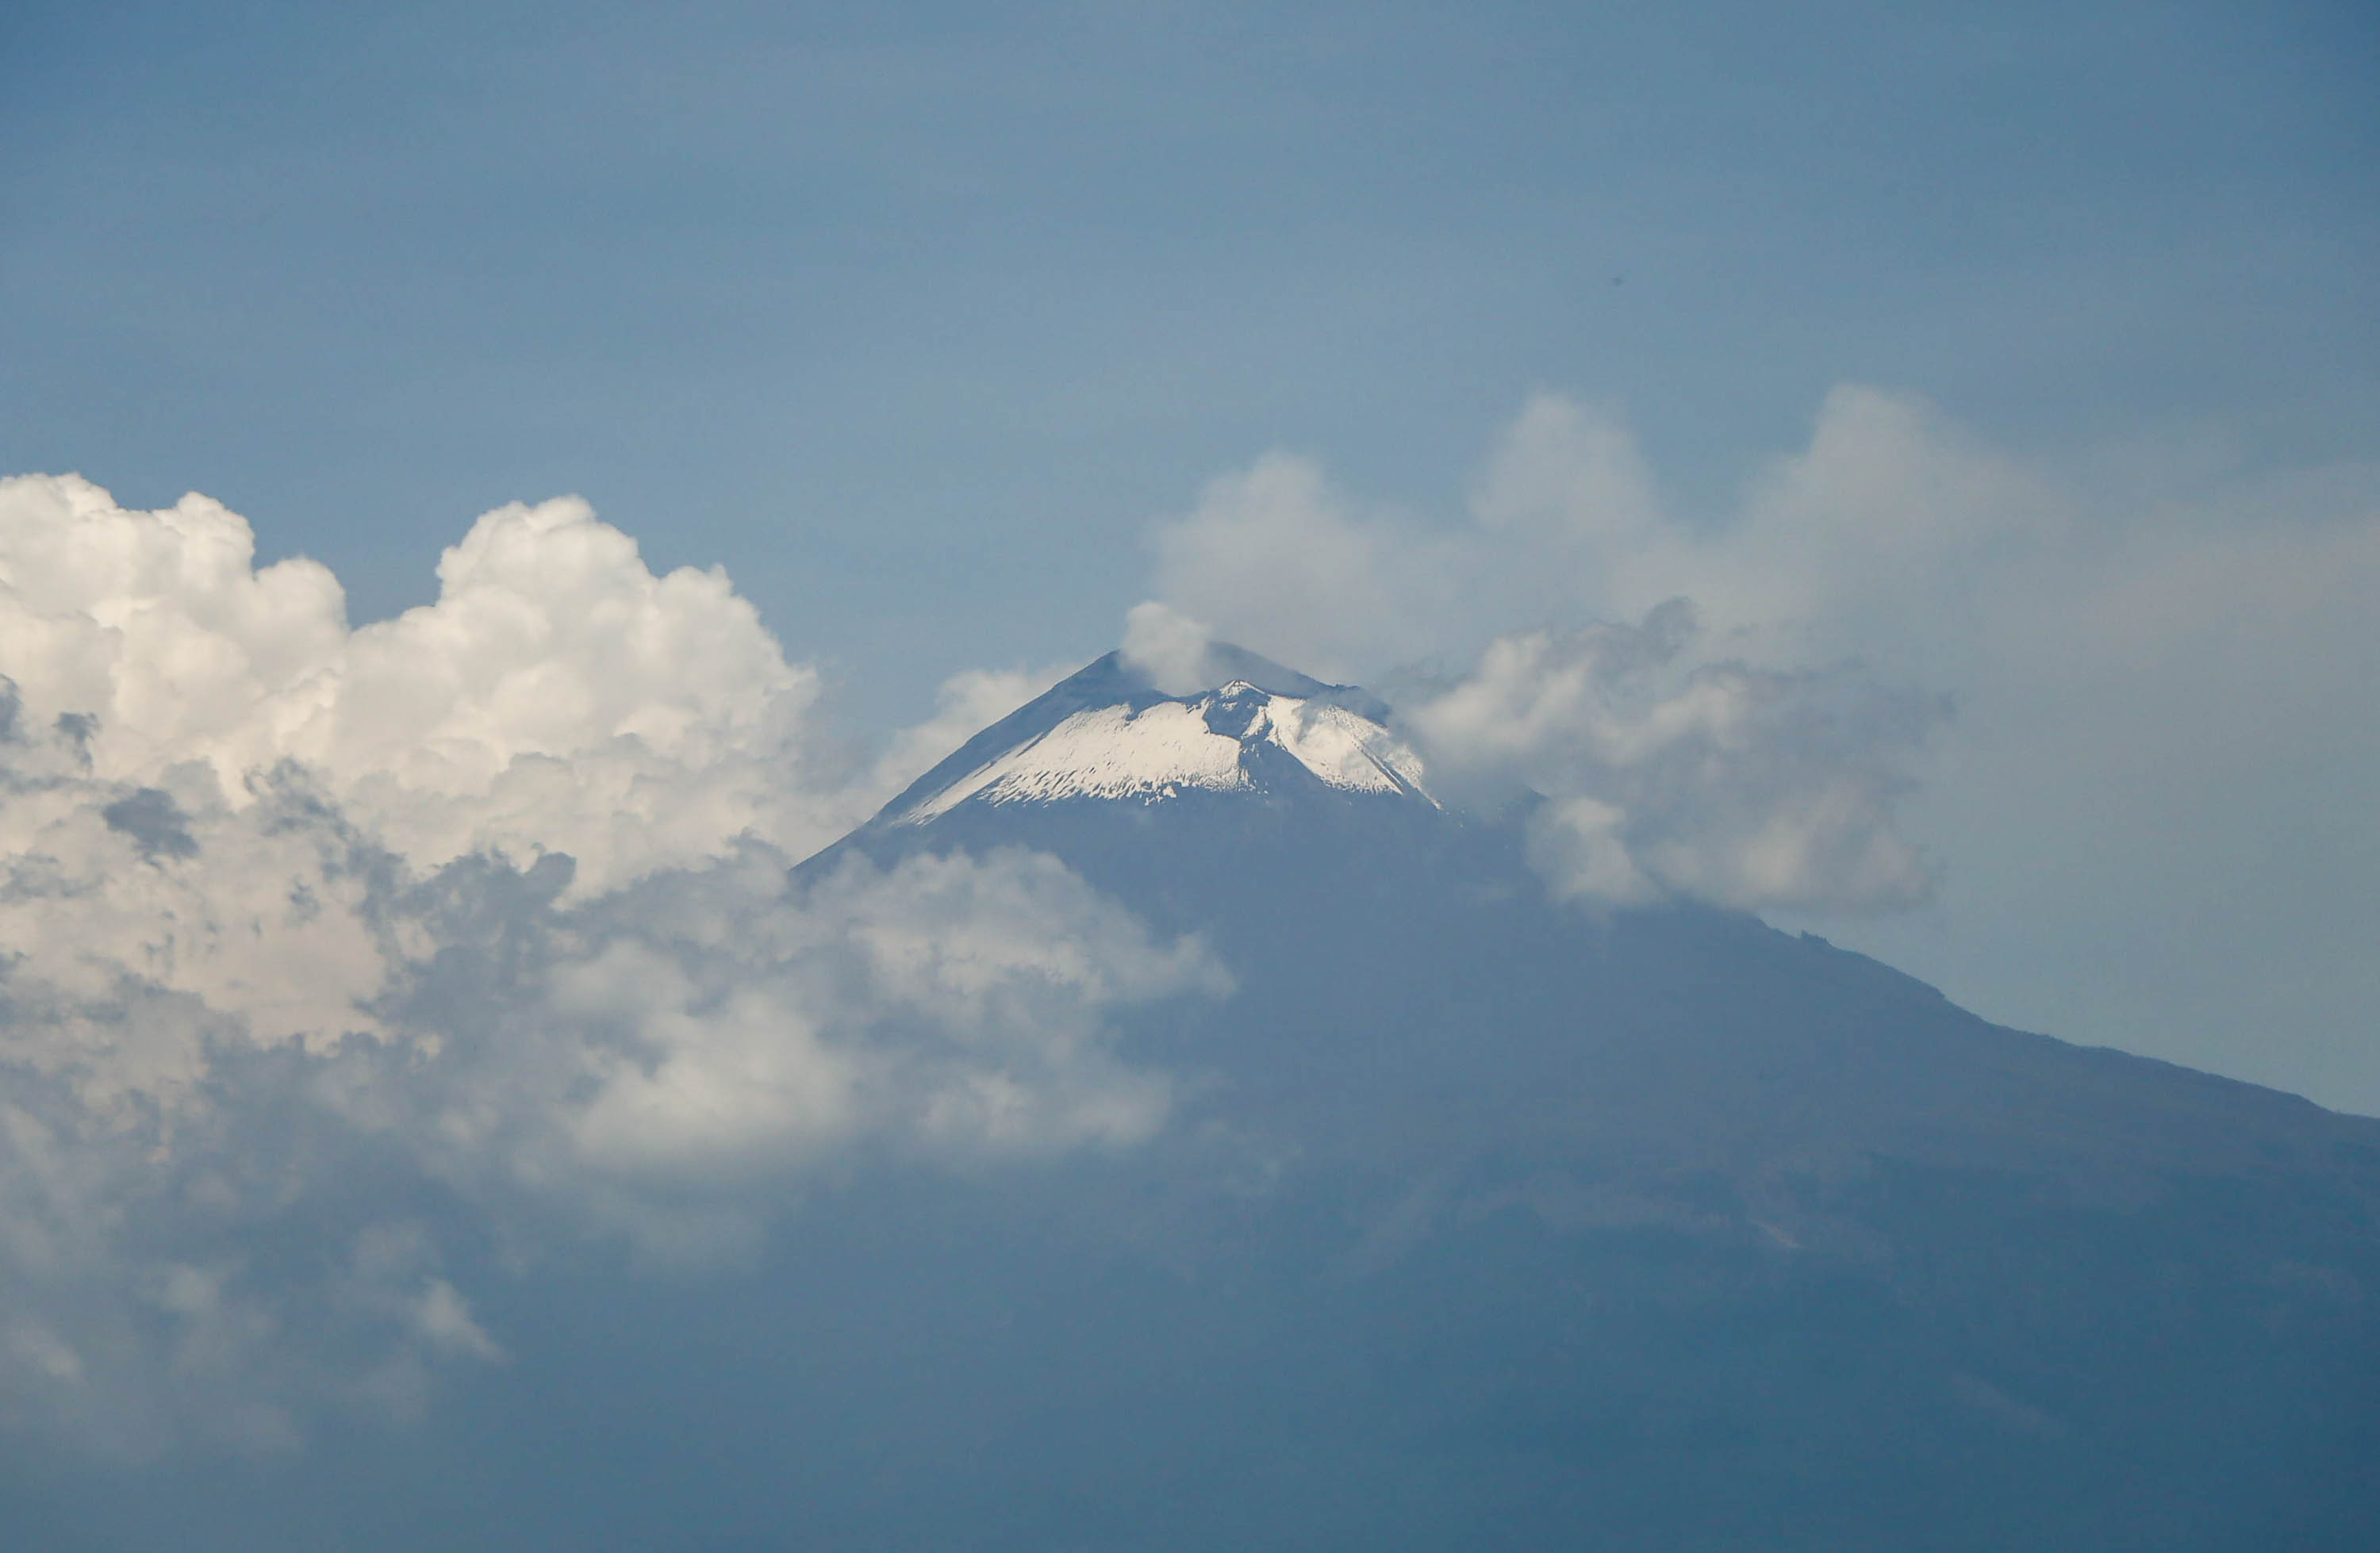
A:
(1343, 748)
(1162, 751)
(1107, 752)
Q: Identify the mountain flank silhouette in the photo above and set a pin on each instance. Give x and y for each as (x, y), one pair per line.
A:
(1658, 1228)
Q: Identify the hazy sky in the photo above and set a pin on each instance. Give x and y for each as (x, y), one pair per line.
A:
(933, 327)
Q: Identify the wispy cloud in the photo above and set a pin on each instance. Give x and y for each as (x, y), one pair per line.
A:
(2140, 620)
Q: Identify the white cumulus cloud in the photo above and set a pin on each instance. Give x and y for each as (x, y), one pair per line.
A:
(557, 697)
(474, 926)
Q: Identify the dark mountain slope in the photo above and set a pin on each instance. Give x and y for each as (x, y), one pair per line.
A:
(1393, 954)
(1662, 1229)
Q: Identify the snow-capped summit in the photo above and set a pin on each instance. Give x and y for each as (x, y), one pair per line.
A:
(1106, 733)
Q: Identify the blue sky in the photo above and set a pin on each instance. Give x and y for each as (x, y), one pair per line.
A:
(918, 319)
(902, 315)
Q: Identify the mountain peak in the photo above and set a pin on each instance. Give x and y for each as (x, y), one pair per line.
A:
(1107, 732)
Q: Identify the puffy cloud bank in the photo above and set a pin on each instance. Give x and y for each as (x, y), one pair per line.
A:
(333, 956)
(557, 697)
(1721, 706)
(1679, 756)
(2147, 821)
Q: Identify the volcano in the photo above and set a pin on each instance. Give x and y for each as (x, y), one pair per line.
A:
(1471, 1219)
(1491, 1220)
